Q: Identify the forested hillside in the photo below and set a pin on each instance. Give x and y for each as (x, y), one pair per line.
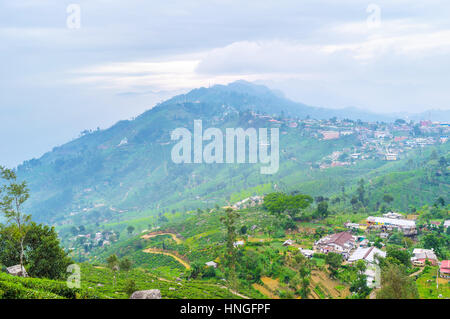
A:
(125, 172)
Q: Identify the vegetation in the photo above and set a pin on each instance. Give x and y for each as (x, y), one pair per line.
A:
(396, 284)
(131, 230)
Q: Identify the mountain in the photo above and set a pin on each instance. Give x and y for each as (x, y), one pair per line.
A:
(126, 172)
(262, 99)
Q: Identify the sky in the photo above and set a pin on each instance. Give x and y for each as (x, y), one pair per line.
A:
(66, 66)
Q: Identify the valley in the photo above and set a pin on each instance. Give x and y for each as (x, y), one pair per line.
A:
(224, 230)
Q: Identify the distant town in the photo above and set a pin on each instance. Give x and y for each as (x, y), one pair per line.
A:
(377, 140)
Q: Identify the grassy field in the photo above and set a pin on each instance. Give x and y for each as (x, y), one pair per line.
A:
(427, 284)
(98, 282)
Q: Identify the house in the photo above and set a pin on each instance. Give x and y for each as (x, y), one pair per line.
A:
(373, 274)
(351, 226)
(367, 254)
(384, 235)
(17, 270)
(306, 252)
(391, 156)
(238, 243)
(445, 269)
(288, 242)
(408, 227)
(380, 134)
(124, 141)
(422, 255)
(249, 202)
(393, 215)
(364, 243)
(446, 224)
(330, 135)
(341, 243)
(400, 138)
(211, 264)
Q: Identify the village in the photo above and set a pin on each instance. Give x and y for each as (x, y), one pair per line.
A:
(355, 247)
(353, 244)
(376, 140)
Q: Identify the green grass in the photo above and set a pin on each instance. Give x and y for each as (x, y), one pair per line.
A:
(12, 287)
(426, 284)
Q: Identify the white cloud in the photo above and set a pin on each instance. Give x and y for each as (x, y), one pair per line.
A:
(397, 44)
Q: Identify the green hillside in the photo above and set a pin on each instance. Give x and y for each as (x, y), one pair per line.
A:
(125, 172)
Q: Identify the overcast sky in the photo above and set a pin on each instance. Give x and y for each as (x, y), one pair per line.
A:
(60, 74)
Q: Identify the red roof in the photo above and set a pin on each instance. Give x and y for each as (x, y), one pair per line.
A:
(340, 238)
(445, 264)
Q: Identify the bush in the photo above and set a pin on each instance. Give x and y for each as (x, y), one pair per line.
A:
(34, 288)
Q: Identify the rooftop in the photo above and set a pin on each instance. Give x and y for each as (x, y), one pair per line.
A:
(367, 254)
(392, 221)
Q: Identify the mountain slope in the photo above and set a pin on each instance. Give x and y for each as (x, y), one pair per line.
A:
(126, 171)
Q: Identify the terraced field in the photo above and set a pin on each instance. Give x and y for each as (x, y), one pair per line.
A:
(173, 255)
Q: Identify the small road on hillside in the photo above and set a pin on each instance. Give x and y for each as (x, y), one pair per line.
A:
(417, 272)
(174, 237)
(156, 251)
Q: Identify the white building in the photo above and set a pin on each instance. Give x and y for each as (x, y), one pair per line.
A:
(393, 215)
(351, 225)
(288, 242)
(373, 274)
(422, 255)
(238, 243)
(306, 252)
(367, 254)
(408, 227)
(211, 264)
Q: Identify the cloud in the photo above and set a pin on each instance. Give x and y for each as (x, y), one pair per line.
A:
(128, 55)
(374, 57)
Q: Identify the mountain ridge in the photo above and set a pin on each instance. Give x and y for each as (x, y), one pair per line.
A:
(125, 171)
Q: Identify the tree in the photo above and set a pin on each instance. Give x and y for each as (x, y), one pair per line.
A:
(274, 203)
(361, 191)
(440, 201)
(402, 256)
(45, 257)
(431, 241)
(333, 261)
(322, 209)
(196, 270)
(304, 266)
(113, 264)
(396, 284)
(354, 201)
(130, 229)
(130, 287)
(14, 195)
(388, 198)
(378, 242)
(229, 220)
(396, 238)
(359, 285)
(125, 264)
(280, 203)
